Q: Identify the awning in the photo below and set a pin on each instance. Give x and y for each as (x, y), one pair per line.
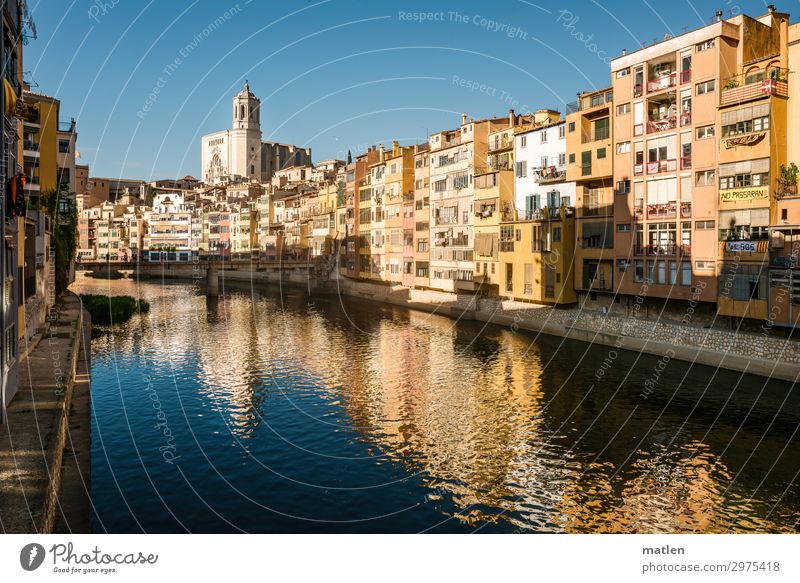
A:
(10, 97)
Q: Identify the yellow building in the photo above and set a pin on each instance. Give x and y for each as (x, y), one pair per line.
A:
(752, 149)
(590, 165)
(494, 203)
(422, 216)
(398, 192)
(535, 258)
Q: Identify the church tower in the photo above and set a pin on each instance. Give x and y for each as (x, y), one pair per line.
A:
(246, 110)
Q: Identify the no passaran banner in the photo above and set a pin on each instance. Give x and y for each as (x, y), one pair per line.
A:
(744, 193)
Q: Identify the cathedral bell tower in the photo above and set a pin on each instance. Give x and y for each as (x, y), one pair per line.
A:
(246, 111)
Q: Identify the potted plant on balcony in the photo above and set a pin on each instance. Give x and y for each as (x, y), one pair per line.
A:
(731, 84)
(787, 182)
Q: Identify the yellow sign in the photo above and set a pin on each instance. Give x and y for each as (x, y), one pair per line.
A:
(750, 193)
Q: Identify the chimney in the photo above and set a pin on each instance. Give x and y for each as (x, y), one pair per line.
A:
(624, 52)
(719, 15)
(771, 8)
(464, 118)
(512, 119)
(382, 153)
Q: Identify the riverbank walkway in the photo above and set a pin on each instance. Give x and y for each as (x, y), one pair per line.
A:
(45, 443)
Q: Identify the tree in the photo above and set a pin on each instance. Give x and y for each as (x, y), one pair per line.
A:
(349, 157)
(59, 205)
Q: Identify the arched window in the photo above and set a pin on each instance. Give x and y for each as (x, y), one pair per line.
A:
(775, 72)
(753, 75)
(252, 169)
(241, 112)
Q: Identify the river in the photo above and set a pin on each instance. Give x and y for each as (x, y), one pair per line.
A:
(269, 412)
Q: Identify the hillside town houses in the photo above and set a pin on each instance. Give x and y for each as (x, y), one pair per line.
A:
(674, 185)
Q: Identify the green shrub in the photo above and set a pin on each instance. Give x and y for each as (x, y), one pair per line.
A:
(112, 309)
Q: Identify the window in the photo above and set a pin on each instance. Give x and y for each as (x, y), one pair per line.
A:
(746, 120)
(523, 142)
(623, 187)
(623, 73)
(571, 126)
(638, 273)
(706, 178)
(704, 265)
(705, 225)
(705, 46)
(543, 136)
(748, 173)
(461, 181)
(562, 132)
(556, 234)
(624, 148)
(63, 146)
(624, 228)
(706, 87)
(520, 169)
(562, 159)
(572, 158)
(622, 265)
(686, 273)
(624, 109)
(601, 153)
(704, 132)
(544, 162)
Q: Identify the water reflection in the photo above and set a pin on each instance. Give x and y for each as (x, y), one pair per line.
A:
(330, 410)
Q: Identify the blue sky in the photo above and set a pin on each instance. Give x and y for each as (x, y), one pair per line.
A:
(145, 79)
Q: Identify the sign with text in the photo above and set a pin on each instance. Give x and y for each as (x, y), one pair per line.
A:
(746, 246)
(749, 193)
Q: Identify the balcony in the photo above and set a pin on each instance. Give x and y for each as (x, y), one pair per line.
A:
(550, 175)
(638, 169)
(502, 144)
(686, 162)
(662, 82)
(637, 91)
(661, 166)
(686, 76)
(506, 246)
(638, 213)
(686, 118)
(686, 210)
(657, 249)
(741, 88)
(638, 129)
(667, 210)
(662, 124)
(439, 221)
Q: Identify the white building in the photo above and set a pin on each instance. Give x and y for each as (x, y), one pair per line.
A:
(540, 156)
(169, 229)
(239, 154)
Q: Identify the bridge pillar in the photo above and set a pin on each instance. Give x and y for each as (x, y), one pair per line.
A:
(212, 280)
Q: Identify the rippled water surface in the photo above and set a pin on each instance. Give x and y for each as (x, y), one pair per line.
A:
(266, 413)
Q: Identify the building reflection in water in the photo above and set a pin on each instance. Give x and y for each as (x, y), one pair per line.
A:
(494, 429)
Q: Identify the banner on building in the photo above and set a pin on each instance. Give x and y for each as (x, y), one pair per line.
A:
(747, 246)
(750, 193)
(746, 140)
